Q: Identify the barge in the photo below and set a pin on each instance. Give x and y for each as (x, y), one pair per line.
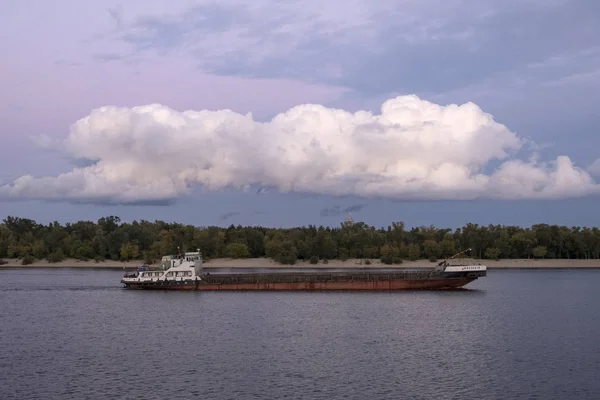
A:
(186, 271)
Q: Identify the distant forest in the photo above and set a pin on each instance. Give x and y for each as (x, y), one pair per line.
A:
(110, 239)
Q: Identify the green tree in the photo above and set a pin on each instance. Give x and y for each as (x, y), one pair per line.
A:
(448, 245)
(492, 253)
(6, 240)
(540, 251)
(129, 251)
(38, 249)
(237, 250)
(343, 253)
(28, 259)
(83, 250)
(414, 252)
(432, 249)
(56, 256)
(287, 254)
(390, 250)
(110, 238)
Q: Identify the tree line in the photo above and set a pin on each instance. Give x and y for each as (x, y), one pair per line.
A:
(110, 239)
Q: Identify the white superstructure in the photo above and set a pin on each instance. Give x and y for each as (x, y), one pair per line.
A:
(172, 268)
(465, 268)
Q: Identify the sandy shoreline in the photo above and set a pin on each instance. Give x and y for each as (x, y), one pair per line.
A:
(267, 263)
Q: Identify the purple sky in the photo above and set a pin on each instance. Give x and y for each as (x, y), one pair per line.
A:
(530, 67)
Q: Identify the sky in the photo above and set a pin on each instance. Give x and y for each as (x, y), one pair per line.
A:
(286, 113)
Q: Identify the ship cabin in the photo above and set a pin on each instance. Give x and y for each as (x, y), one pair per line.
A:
(172, 267)
(183, 266)
(171, 261)
(151, 274)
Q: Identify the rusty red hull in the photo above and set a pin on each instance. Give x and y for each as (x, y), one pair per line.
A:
(420, 284)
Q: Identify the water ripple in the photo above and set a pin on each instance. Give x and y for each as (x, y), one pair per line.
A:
(515, 335)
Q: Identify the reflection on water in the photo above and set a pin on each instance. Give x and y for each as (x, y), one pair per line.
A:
(73, 334)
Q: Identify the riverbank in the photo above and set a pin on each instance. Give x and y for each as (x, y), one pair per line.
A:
(268, 263)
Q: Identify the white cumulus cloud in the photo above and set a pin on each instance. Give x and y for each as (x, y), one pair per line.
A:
(412, 149)
(594, 168)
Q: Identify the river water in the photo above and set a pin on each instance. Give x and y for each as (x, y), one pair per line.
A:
(518, 334)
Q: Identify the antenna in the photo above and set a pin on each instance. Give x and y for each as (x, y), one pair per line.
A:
(444, 263)
(457, 254)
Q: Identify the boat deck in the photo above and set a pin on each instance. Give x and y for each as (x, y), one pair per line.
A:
(315, 275)
(308, 270)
